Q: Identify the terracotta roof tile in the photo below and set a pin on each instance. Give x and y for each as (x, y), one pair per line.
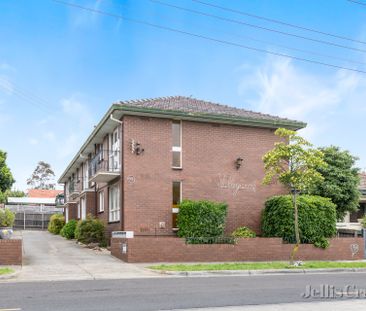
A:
(197, 106)
(40, 193)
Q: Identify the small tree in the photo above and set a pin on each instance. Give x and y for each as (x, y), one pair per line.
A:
(294, 163)
(42, 177)
(6, 177)
(341, 180)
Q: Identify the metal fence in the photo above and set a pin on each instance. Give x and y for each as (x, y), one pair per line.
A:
(33, 217)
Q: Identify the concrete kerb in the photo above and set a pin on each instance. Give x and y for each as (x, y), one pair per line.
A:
(256, 272)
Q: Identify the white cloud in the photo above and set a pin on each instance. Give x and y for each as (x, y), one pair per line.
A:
(50, 136)
(79, 123)
(33, 141)
(332, 104)
(5, 85)
(6, 67)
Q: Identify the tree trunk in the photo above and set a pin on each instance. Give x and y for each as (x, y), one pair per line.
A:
(297, 233)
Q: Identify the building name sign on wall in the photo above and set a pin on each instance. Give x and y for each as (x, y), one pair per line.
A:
(227, 182)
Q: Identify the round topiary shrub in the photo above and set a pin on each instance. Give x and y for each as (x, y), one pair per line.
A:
(68, 231)
(317, 219)
(201, 219)
(91, 230)
(57, 221)
(243, 232)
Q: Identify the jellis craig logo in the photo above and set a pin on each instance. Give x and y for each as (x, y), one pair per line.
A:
(326, 291)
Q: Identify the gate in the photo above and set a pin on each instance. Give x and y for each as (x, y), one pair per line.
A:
(27, 218)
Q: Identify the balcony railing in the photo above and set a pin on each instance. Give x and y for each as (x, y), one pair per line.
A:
(60, 200)
(74, 188)
(105, 166)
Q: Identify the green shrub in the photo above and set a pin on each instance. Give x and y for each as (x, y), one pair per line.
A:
(68, 231)
(363, 222)
(243, 232)
(201, 219)
(57, 221)
(317, 219)
(90, 230)
(7, 217)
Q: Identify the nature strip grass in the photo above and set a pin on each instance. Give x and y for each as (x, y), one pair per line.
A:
(6, 271)
(259, 266)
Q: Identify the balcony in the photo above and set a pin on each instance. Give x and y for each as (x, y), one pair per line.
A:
(105, 166)
(74, 188)
(60, 200)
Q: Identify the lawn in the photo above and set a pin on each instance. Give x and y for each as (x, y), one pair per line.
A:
(259, 266)
(6, 271)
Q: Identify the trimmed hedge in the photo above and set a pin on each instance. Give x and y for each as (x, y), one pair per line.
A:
(201, 219)
(317, 219)
(68, 231)
(57, 221)
(243, 232)
(90, 230)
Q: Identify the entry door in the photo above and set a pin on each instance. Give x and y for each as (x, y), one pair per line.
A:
(83, 209)
(114, 156)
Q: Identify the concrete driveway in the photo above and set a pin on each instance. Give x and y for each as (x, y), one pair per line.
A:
(47, 257)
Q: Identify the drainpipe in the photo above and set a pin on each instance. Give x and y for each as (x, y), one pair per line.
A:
(122, 214)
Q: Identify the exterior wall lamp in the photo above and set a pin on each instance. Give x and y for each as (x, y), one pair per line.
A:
(238, 163)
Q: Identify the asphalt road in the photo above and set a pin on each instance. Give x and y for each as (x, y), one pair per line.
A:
(167, 293)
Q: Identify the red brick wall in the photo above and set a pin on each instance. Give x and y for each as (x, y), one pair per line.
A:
(11, 252)
(171, 249)
(72, 207)
(209, 152)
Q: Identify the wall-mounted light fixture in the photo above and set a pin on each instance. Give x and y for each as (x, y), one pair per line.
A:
(136, 147)
(238, 163)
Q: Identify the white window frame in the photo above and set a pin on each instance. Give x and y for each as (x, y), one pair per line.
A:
(83, 208)
(114, 205)
(114, 155)
(101, 201)
(86, 175)
(176, 148)
(78, 210)
(175, 210)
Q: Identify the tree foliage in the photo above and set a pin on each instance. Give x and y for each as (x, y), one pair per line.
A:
(42, 177)
(295, 164)
(6, 177)
(11, 193)
(341, 180)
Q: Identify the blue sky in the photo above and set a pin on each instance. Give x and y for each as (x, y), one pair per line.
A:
(62, 67)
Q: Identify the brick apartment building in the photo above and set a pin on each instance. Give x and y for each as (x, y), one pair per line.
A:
(145, 156)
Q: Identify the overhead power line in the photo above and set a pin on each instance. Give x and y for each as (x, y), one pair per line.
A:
(357, 2)
(235, 21)
(282, 46)
(25, 95)
(276, 21)
(212, 39)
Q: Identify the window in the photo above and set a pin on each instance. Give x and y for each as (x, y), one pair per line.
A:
(177, 198)
(66, 214)
(114, 155)
(114, 206)
(101, 201)
(83, 208)
(86, 175)
(78, 210)
(177, 144)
